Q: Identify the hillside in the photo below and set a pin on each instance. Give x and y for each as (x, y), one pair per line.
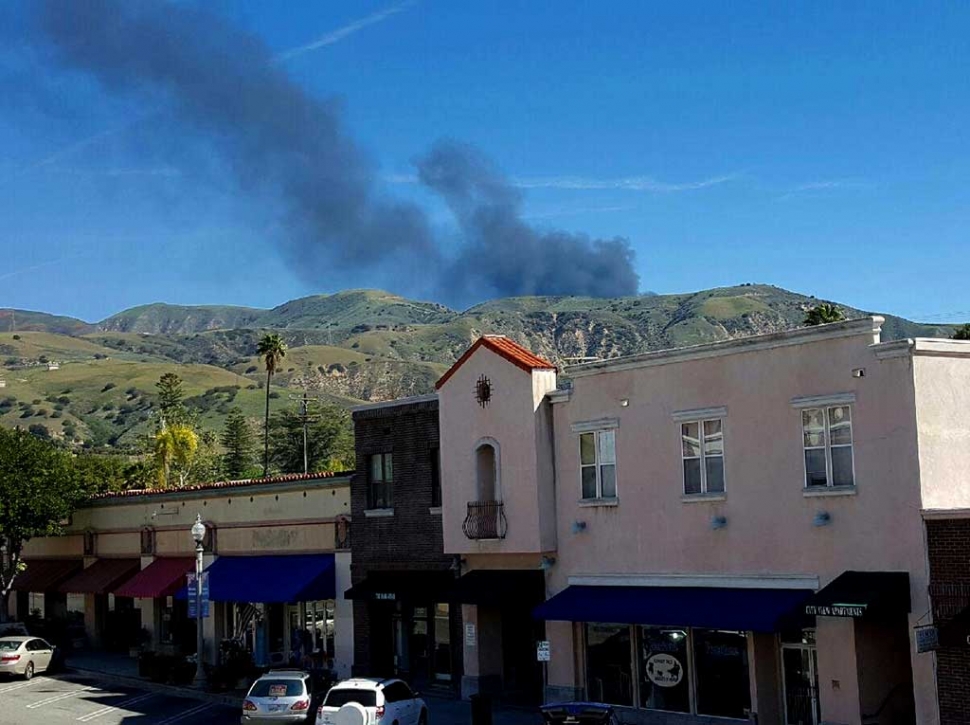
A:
(352, 346)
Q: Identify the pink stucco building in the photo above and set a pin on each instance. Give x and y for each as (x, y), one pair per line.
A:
(732, 530)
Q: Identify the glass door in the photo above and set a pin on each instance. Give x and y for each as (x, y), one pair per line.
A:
(442, 642)
(800, 668)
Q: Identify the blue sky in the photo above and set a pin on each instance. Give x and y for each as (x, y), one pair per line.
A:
(820, 147)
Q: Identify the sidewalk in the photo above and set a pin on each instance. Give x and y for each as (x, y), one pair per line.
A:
(445, 711)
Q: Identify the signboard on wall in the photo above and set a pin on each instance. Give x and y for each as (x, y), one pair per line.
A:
(836, 610)
(543, 651)
(927, 638)
(471, 638)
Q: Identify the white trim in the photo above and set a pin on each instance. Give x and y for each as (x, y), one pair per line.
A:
(430, 397)
(559, 396)
(435, 510)
(954, 513)
(714, 581)
(690, 416)
(588, 426)
(821, 491)
(893, 349)
(378, 513)
(703, 497)
(586, 503)
(867, 326)
(820, 401)
(941, 347)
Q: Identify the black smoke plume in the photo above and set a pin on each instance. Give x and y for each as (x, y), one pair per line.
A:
(280, 141)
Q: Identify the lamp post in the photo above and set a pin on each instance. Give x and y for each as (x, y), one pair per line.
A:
(198, 534)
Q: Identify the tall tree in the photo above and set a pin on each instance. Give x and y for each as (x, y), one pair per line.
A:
(330, 441)
(824, 313)
(962, 332)
(170, 398)
(237, 439)
(39, 488)
(271, 350)
(175, 449)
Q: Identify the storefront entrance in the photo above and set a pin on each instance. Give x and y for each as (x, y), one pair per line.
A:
(422, 644)
(800, 673)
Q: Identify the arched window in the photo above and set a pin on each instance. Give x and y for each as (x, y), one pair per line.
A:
(488, 470)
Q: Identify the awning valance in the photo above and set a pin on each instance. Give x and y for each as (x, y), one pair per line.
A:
(43, 575)
(401, 585)
(102, 577)
(857, 594)
(161, 578)
(494, 587)
(271, 579)
(757, 610)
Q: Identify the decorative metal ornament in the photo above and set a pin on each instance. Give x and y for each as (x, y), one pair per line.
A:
(483, 391)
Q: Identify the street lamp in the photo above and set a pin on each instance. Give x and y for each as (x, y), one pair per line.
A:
(198, 534)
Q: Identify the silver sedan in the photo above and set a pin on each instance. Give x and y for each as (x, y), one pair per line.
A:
(24, 656)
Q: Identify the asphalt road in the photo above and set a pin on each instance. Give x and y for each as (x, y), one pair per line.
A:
(60, 700)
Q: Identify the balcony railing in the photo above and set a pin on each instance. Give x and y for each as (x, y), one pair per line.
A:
(485, 520)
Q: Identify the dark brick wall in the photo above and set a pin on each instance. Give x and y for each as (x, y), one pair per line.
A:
(411, 539)
(948, 545)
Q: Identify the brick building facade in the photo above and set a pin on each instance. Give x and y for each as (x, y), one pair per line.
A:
(404, 623)
(949, 558)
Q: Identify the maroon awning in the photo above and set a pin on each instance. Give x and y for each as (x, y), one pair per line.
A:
(43, 575)
(161, 578)
(101, 577)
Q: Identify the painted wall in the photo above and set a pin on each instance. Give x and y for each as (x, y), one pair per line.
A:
(511, 419)
(942, 375)
(769, 516)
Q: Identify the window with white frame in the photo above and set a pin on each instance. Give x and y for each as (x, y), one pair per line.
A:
(597, 463)
(702, 448)
(827, 439)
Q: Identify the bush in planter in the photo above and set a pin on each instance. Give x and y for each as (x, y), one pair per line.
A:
(183, 671)
(146, 664)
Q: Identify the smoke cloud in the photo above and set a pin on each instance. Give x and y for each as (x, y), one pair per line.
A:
(281, 143)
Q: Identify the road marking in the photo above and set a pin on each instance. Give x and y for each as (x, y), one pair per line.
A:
(22, 685)
(121, 705)
(187, 713)
(58, 698)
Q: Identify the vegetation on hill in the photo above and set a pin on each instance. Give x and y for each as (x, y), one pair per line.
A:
(345, 348)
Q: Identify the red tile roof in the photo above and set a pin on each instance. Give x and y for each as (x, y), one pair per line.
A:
(285, 478)
(500, 345)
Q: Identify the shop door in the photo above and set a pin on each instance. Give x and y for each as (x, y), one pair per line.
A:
(800, 669)
(442, 642)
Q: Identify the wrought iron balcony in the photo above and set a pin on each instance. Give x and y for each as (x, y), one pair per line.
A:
(485, 520)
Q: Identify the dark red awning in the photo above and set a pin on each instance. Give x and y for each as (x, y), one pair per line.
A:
(101, 577)
(161, 578)
(43, 575)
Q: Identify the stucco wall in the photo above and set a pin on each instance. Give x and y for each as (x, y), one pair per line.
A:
(510, 419)
(943, 404)
(770, 521)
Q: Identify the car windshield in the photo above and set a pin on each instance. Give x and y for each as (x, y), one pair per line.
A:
(339, 698)
(277, 688)
(9, 646)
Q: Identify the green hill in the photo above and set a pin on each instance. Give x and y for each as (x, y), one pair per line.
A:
(348, 347)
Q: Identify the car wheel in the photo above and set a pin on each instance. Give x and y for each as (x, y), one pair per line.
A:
(29, 671)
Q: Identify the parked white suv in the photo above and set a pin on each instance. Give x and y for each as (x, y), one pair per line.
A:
(371, 702)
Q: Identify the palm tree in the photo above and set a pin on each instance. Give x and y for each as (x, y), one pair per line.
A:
(272, 350)
(175, 447)
(823, 314)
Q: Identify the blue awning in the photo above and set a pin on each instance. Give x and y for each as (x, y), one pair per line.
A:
(756, 610)
(271, 579)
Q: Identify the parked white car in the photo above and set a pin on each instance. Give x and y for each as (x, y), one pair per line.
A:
(385, 702)
(25, 656)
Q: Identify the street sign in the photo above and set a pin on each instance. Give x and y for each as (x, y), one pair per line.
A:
(205, 594)
(543, 651)
(471, 637)
(927, 638)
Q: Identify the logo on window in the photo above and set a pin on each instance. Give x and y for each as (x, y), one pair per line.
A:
(483, 391)
(664, 670)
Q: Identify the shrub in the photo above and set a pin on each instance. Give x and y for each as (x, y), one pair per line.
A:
(16, 337)
(274, 395)
(251, 369)
(36, 401)
(107, 387)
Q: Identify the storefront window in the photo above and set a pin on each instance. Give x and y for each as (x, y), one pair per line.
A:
(721, 667)
(664, 680)
(609, 664)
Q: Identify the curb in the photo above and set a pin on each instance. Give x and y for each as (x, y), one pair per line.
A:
(148, 686)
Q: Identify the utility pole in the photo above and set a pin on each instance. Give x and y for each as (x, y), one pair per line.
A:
(305, 402)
